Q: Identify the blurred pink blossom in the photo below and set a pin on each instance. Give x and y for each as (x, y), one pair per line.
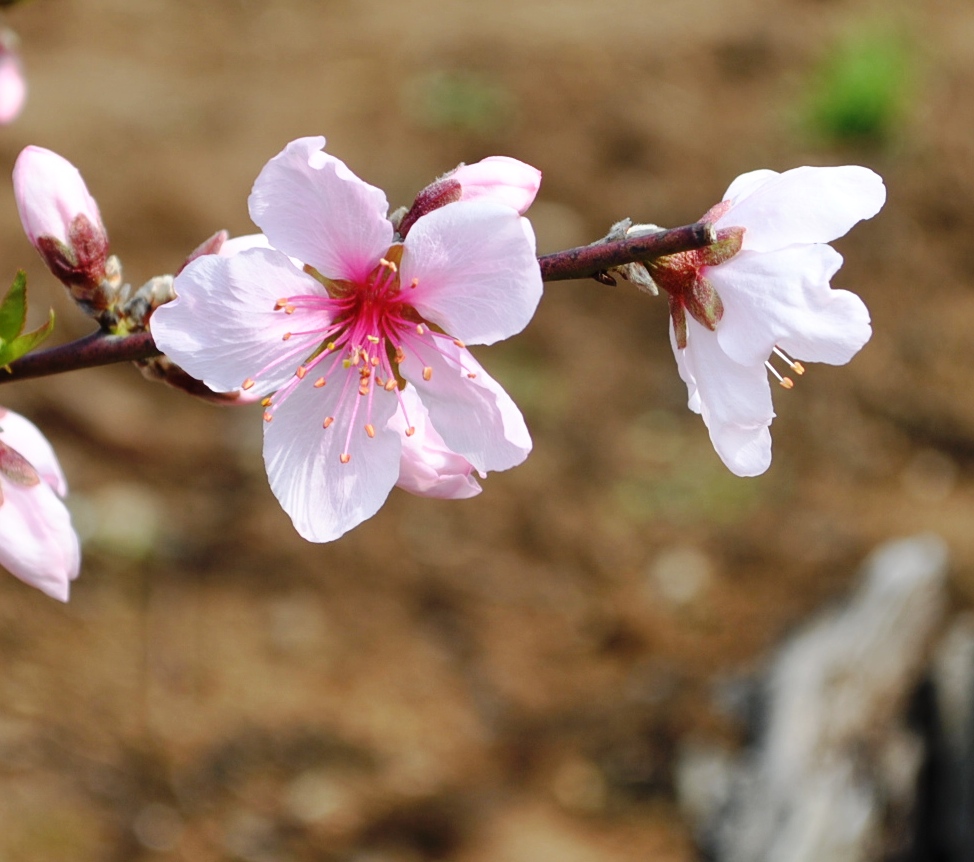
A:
(13, 84)
(37, 543)
(337, 340)
(761, 295)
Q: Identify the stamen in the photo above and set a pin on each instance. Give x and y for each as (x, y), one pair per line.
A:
(286, 336)
(427, 373)
(344, 457)
(389, 264)
(319, 383)
(414, 284)
(390, 384)
(471, 374)
(375, 361)
(329, 421)
(289, 309)
(373, 338)
(248, 383)
(280, 303)
(400, 356)
(410, 431)
(300, 372)
(370, 430)
(265, 402)
(420, 328)
(268, 415)
(458, 342)
(786, 382)
(793, 364)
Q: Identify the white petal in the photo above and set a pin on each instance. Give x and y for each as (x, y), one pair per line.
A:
(735, 402)
(783, 298)
(324, 497)
(804, 205)
(478, 275)
(24, 436)
(747, 184)
(428, 467)
(223, 328)
(37, 542)
(475, 417)
(312, 207)
(693, 394)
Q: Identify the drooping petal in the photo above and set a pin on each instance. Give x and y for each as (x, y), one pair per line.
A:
(501, 179)
(783, 298)
(26, 438)
(804, 205)
(477, 273)
(468, 408)
(37, 542)
(747, 184)
(223, 327)
(428, 467)
(693, 394)
(734, 400)
(324, 497)
(312, 207)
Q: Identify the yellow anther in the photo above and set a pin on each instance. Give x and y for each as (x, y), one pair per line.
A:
(300, 372)
(427, 373)
(373, 338)
(458, 342)
(375, 361)
(268, 415)
(414, 284)
(388, 264)
(248, 383)
(319, 383)
(797, 367)
(289, 309)
(329, 421)
(370, 430)
(420, 329)
(330, 345)
(787, 382)
(286, 336)
(390, 384)
(400, 356)
(344, 457)
(280, 303)
(472, 375)
(265, 402)
(410, 431)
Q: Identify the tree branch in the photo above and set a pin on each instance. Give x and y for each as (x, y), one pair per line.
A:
(587, 261)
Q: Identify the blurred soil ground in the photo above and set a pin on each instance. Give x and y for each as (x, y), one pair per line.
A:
(507, 679)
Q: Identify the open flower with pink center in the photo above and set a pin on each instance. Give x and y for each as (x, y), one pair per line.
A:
(336, 343)
(761, 297)
(37, 542)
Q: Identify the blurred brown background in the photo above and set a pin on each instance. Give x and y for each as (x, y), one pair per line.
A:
(510, 678)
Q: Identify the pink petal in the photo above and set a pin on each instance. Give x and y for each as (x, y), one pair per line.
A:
(324, 497)
(24, 436)
(223, 327)
(735, 402)
(803, 205)
(783, 298)
(312, 207)
(501, 179)
(37, 543)
(428, 468)
(474, 415)
(478, 276)
(746, 184)
(50, 194)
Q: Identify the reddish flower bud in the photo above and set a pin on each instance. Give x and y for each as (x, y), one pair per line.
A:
(61, 220)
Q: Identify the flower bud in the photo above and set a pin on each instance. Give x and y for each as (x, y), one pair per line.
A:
(62, 221)
(501, 179)
(13, 86)
(497, 178)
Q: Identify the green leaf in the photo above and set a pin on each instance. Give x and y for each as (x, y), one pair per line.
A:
(13, 309)
(16, 348)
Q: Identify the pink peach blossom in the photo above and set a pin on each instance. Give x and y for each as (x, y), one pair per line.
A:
(13, 84)
(761, 295)
(337, 341)
(37, 543)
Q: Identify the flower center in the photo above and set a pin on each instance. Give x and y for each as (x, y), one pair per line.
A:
(360, 332)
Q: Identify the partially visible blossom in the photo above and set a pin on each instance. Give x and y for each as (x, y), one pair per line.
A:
(13, 85)
(62, 221)
(37, 543)
(427, 466)
(336, 318)
(761, 297)
(500, 179)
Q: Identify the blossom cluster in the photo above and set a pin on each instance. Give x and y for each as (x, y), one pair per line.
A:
(351, 326)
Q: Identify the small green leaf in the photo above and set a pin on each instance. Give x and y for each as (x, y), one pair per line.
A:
(22, 344)
(13, 309)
